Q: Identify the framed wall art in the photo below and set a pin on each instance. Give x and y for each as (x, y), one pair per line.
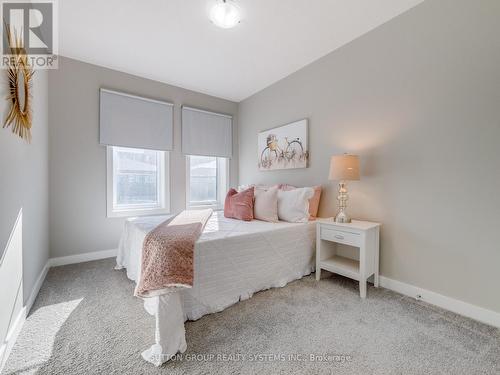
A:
(284, 147)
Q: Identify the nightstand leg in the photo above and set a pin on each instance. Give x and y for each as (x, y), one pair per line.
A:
(377, 256)
(318, 252)
(362, 289)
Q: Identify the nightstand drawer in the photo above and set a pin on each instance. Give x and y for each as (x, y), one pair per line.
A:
(346, 238)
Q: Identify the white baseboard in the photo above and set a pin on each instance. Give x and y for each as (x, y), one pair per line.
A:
(459, 307)
(37, 286)
(11, 338)
(80, 258)
(21, 317)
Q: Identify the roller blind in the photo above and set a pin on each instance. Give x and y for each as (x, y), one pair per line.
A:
(132, 121)
(206, 133)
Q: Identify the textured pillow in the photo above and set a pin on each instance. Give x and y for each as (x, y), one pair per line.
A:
(239, 205)
(265, 205)
(313, 202)
(293, 205)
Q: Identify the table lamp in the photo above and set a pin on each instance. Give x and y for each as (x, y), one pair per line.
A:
(343, 168)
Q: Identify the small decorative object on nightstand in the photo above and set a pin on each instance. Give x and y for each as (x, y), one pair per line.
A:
(361, 234)
(344, 168)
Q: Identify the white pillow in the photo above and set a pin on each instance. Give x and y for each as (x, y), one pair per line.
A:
(240, 188)
(265, 206)
(293, 205)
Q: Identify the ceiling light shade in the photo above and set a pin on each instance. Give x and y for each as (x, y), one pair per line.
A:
(225, 15)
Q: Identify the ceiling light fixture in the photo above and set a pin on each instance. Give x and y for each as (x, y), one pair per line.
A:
(225, 15)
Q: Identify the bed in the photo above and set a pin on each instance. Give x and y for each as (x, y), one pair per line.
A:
(232, 260)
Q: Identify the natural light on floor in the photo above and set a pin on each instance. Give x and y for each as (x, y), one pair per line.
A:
(43, 325)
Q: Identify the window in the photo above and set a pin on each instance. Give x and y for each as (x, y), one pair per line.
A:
(137, 182)
(206, 184)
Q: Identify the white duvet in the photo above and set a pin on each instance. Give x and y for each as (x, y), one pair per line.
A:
(233, 259)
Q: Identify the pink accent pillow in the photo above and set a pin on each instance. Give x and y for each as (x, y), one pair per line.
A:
(239, 205)
(313, 202)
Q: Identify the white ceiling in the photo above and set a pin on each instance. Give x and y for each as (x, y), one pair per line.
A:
(173, 41)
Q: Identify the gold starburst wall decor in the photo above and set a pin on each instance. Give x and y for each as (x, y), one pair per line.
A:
(20, 76)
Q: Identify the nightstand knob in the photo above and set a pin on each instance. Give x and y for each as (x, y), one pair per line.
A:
(339, 237)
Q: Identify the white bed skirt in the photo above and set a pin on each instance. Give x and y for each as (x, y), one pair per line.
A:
(233, 259)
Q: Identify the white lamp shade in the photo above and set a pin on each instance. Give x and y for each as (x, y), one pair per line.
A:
(344, 168)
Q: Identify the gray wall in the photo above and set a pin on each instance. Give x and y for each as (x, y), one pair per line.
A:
(23, 185)
(78, 222)
(419, 99)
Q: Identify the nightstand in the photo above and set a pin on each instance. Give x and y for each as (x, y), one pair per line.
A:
(360, 234)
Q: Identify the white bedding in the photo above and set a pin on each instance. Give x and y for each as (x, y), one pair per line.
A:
(233, 259)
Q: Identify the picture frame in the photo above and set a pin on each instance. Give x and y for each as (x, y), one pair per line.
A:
(284, 147)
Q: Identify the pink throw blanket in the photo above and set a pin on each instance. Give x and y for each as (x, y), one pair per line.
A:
(168, 252)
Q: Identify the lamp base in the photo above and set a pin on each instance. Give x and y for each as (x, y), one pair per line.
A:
(342, 217)
(343, 196)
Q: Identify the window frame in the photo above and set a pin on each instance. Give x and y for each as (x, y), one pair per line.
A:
(222, 181)
(162, 208)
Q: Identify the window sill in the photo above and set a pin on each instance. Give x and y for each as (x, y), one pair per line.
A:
(214, 207)
(138, 212)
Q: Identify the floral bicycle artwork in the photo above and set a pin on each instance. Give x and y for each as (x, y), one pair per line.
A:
(284, 147)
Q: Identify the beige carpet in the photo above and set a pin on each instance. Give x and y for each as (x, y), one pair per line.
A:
(86, 321)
